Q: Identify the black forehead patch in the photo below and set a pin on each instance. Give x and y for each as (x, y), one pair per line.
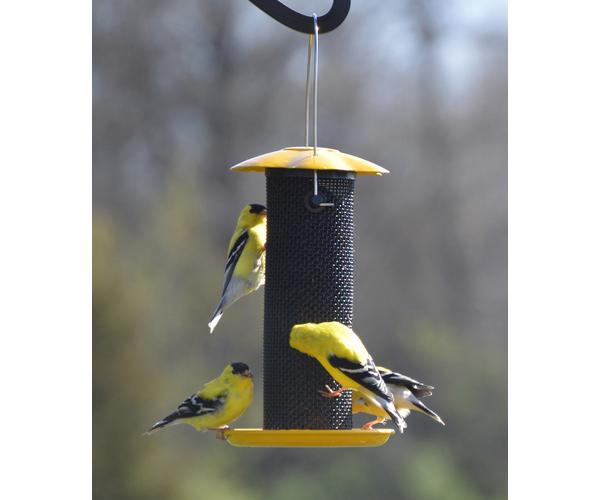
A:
(255, 208)
(239, 368)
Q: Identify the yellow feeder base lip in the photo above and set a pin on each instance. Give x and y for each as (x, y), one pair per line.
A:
(303, 438)
(303, 158)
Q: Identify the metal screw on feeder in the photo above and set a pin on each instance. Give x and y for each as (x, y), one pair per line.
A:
(309, 268)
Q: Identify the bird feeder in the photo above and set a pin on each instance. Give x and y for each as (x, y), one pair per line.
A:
(309, 271)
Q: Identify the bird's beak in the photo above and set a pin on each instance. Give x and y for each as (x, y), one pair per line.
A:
(247, 374)
(263, 213)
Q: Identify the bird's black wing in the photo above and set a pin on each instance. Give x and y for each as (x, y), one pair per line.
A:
(234, 256)
(366, 375)
(194, 406)
(417, 388)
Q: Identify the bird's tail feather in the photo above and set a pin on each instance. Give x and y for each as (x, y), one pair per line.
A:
(421, 392)
(419, 389)
(420, 406)
(215, 318)
(394, 415)
(234, 291)
(170, 419)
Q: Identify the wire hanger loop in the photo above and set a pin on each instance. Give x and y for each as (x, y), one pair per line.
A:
(304, 24)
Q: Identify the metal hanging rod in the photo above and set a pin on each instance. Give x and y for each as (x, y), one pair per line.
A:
(315, 73)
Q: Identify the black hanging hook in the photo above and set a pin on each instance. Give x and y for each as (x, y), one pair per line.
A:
(305, 24)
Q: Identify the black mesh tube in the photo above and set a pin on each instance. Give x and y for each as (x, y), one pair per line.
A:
(309, 278)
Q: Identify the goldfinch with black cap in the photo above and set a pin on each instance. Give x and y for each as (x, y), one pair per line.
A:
(245, 267)
(220, 402)
(341, 352)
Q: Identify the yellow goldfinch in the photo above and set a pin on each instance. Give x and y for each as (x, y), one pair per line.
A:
(245, 267)
(344, 356)
(217, 404)
(406, 392)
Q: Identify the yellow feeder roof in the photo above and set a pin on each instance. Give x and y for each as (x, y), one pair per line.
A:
(303, 158)
(307, 438)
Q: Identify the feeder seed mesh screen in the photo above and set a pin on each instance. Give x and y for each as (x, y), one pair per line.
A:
(309, 278)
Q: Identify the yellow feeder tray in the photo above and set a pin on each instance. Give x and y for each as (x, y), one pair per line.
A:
(304, 158)
(258, 438)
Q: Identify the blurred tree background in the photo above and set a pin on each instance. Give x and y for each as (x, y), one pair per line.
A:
(184, 89)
